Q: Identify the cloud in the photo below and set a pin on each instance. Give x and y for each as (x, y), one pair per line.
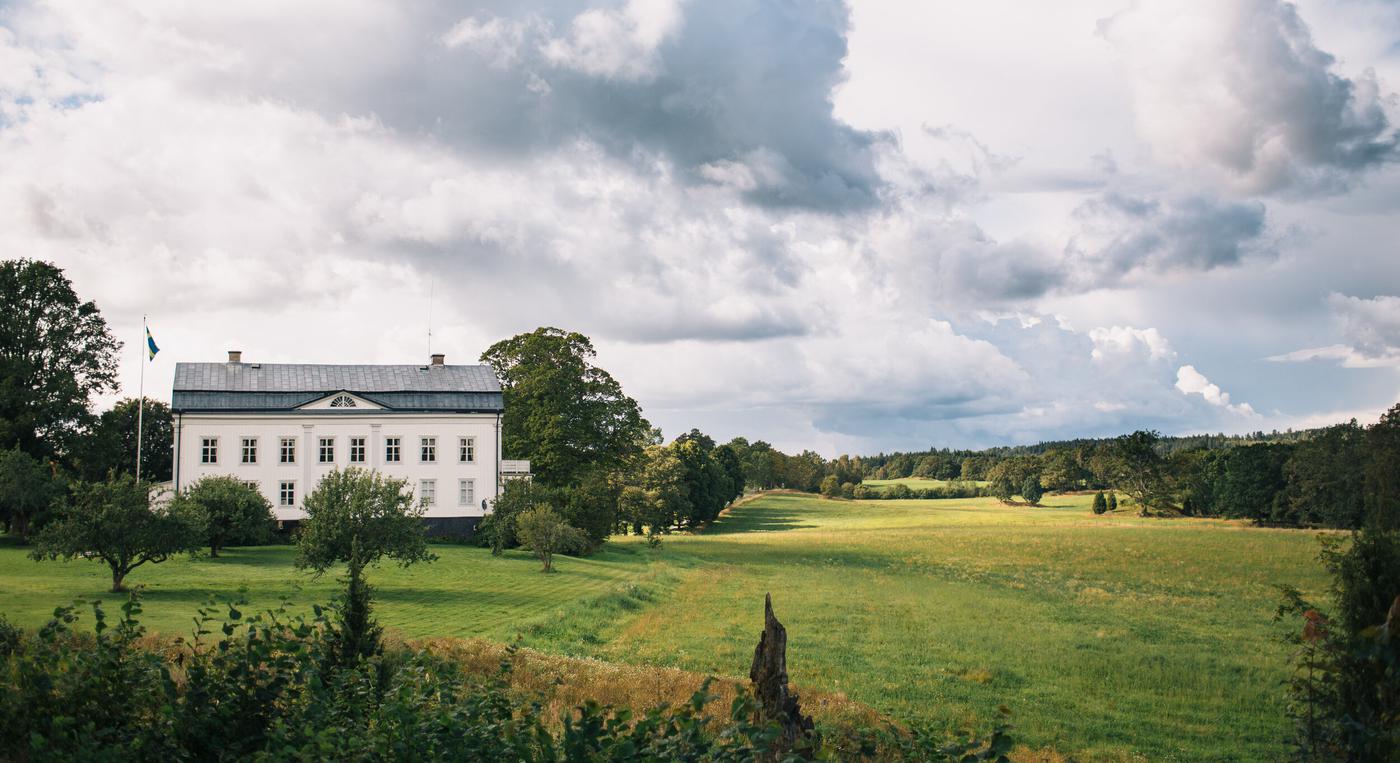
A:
(1241, 87)
(1115, 341)
(1121, 234)
(1371, 328)
(617, 43)
(1192, 382)
(670, 178)
(735, 91)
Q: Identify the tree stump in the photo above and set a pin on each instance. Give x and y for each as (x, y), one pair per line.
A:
(770, 680)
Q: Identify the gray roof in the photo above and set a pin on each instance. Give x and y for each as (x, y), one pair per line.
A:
(302, 377)
(286, 386)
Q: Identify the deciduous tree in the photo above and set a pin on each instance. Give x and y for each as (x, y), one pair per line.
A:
(564, 414)
(110, 443)
(229, 512)
(357, 517)
(115, 522)
(1138, 469)
(56, 353)
(1031, 490)
(28, 489)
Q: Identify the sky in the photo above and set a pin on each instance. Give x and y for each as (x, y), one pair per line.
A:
(850, 228)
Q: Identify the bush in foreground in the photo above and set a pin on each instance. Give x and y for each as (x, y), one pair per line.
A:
(265, 690)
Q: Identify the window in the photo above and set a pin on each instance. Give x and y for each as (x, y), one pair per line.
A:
(428, 453)
(253, 484)
(287, 494)
(427, 491)
(357, 450)
(250, 450)
(327, 450)
(343, 401)
(466, 492)
(209, 450)
(391, 450)
(466, 450)
(289, 450)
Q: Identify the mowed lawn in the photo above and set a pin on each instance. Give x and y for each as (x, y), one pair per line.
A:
(466, 592)
(1108, 637)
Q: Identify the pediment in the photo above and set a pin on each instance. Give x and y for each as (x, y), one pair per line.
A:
(341, 401)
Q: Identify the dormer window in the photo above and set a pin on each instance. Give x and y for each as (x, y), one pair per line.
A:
(343, 401)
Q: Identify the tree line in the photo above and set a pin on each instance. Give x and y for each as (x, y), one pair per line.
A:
(1311, 478)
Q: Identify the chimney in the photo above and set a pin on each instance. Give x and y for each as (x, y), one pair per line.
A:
(235, 356)
(438, 358)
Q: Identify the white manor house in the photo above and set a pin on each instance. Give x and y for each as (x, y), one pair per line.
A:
(281, 427)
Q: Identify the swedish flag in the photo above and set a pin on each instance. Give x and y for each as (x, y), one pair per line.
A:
(151, 348)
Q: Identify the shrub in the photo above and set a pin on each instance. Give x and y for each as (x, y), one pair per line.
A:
(1112, 501)
(1100, 505)
(1345, 693)
(265, 689)
(10, 636)
(831, 486)
(898, 490)
(546, 533)
(229, 512)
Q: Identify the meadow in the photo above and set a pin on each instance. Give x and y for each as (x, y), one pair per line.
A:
(921, 483)
(1109, 638)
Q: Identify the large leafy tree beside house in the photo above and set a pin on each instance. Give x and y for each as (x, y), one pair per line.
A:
(563, 413)
(573, 422)
(56, 354)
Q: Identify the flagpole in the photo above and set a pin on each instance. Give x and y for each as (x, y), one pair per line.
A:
(141, 399)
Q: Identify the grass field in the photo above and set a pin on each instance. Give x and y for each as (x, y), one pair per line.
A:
(465, 592)
(920, 483)
(1109, 637)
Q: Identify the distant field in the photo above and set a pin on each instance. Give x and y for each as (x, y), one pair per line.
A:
(918, 483)
(1109, 637)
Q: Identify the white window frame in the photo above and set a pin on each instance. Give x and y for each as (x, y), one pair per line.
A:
(360, 445)
(325, 450)
(466, 450)
(287, 450)
(394, 446)
(427, 450)
(248, 453)
(466, 492)
(287, 493)
(427, 492)
(209, 451)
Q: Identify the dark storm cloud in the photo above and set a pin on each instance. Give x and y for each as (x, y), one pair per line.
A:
(1123, 234)
(735, 87)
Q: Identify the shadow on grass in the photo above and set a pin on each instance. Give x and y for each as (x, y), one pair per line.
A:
(758, 520)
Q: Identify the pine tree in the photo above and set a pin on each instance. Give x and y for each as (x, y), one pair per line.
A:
(1100, 505)
(1112, 501)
